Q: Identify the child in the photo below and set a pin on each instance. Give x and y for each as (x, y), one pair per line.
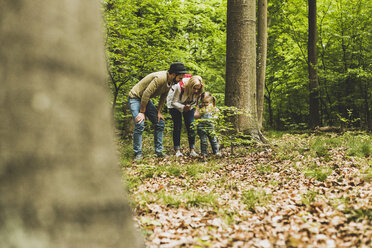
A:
(206, 111)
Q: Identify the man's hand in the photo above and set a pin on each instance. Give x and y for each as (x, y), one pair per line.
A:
(140, 118)
(160, 116)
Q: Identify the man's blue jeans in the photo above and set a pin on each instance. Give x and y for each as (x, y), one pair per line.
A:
(188, 117)
(152, 114)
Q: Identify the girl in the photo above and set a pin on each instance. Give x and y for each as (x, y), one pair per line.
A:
(181, 99)
(206, 111)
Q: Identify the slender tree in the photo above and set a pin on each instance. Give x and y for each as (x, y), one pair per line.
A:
(261, 57)
(312, 66)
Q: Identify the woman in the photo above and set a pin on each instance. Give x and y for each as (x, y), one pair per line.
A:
(181, 99)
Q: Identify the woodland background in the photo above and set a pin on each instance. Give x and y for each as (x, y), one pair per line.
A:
(147, 35)
(307, 188)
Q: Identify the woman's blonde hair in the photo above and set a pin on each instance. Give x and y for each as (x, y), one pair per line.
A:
(189, 86)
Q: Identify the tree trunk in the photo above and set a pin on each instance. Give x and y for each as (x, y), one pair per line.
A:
(240, 61)
(60, 181)
(115, 91)
(366, 106)
(240, 88)
(312, 67)
(270, 110)
(261, 58)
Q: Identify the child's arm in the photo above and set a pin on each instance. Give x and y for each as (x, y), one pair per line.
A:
(197, 113)
(216, 112)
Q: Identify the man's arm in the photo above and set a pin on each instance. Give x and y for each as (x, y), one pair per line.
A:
(161, 104)
(149, 91)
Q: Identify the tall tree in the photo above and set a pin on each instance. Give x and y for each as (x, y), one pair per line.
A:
(59, 177)
(261, 57)
(312, 66)
(240, 90)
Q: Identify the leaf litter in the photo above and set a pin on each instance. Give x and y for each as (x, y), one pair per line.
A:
(264, 197)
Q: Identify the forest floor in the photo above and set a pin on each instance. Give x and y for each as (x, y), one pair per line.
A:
(305, 190)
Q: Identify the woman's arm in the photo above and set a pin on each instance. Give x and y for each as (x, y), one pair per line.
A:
(176, 99)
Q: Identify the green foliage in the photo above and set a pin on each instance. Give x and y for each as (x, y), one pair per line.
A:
(309, 197)
(367, 173)
(148, 171)
(253, 198)
(358, 145)
(195, 169)
(143, 36)
(290, 150)
(198, 199)
(225, 130)
(263, 169)
(170, 200)
(317, 172)
(358, 214)
(132, 182)
(344, 63)
(188, 198)
(348, 121)
(319, 147)
(174, 170)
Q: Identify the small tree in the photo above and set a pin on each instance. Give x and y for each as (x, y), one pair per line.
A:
(312, 65)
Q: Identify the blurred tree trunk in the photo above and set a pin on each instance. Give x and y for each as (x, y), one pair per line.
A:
(60, 180)
(312, 66)
(261, 58)
(240, 88)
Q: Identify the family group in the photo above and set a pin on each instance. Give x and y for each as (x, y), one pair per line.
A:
(185, 98)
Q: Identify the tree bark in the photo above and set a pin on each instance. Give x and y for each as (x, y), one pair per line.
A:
(241, 60)
(270, 109)
(240, 88)
(312, 66)
(367, 96)
(60, 180)
(261, 58)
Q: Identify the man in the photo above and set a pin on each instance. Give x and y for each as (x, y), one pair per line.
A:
(141, 106)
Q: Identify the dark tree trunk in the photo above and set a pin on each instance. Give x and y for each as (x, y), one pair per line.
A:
(312, 66)
(270, 109)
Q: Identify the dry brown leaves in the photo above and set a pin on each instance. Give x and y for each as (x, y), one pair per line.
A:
(302, 211)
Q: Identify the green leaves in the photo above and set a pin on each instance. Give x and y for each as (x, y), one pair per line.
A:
(343, 55)
(254, 198)
(147, 35)
(143, 36)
